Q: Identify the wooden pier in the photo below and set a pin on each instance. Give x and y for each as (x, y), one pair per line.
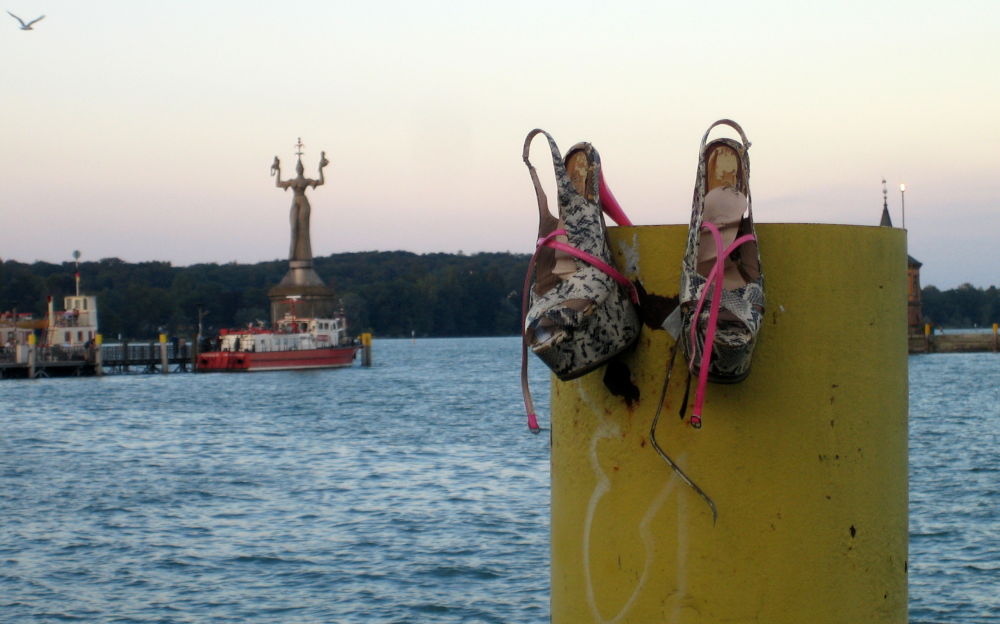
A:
(112, 359)
(147, 358)
(931, 342)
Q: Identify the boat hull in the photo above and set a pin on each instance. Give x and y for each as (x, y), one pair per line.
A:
(250, 361)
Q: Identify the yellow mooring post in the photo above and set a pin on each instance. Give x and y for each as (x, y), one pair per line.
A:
(164, 362)
(32, 355)
(366, 349)
(806, 460)
(99, 355)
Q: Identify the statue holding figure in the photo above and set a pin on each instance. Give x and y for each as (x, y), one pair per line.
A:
(301, 247)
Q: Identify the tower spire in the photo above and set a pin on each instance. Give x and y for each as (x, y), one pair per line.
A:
(886, 219)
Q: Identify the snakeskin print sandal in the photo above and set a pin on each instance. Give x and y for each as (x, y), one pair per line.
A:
(722, 285)
(577, 309)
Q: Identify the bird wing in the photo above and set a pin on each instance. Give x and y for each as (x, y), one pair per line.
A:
(37, 19)
(17, 18)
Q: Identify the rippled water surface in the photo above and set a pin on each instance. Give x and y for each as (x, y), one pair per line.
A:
(409, 492)
(955, 488)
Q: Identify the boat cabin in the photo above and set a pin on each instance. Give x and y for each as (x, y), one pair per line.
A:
(76, 324)
(290, 334)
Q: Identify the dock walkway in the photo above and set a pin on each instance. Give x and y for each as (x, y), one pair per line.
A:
(954, 343)
(117, 359)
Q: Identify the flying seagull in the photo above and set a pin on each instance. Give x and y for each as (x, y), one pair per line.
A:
(28, 25)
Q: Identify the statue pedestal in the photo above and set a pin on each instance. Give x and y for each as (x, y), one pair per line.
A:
(313, 298)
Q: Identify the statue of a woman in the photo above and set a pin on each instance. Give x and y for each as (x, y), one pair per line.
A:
(301, 247)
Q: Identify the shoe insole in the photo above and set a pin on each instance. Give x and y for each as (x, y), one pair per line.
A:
(723, 167)
(579, 175)
(724, 206)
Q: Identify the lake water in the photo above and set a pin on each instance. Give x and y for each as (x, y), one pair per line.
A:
(409, 492)
(955, 488)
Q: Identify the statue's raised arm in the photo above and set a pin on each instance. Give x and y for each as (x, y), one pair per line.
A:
(276, 172)
(322, 163)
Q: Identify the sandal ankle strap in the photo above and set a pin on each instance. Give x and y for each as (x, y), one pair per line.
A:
(732, 124)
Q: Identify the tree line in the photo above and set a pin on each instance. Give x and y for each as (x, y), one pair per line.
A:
(389, 293)
(962, 307)
(394, 293)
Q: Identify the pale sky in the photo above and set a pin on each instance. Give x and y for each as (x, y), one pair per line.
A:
(145, 130)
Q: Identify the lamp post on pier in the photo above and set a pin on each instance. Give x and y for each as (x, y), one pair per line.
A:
(902, 202)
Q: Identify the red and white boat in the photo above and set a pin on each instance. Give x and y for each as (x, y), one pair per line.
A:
(293, 344)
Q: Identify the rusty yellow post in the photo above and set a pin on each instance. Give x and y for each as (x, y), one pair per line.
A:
(806, 460)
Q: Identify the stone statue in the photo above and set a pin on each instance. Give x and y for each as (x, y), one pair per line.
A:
(301, 247)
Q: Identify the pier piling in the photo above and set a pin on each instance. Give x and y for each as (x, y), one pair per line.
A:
(366, 349)
(98, 355)
(164, 362)
(805, 460)
(32, 342)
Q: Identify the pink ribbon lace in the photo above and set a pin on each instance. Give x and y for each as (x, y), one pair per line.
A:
(609, 204)
(549, 241)
(713, 283)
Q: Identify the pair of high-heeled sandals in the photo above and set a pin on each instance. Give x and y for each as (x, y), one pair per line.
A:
(579, 311)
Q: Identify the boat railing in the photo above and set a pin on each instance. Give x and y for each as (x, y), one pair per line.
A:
(138, 352)
(71, 320)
